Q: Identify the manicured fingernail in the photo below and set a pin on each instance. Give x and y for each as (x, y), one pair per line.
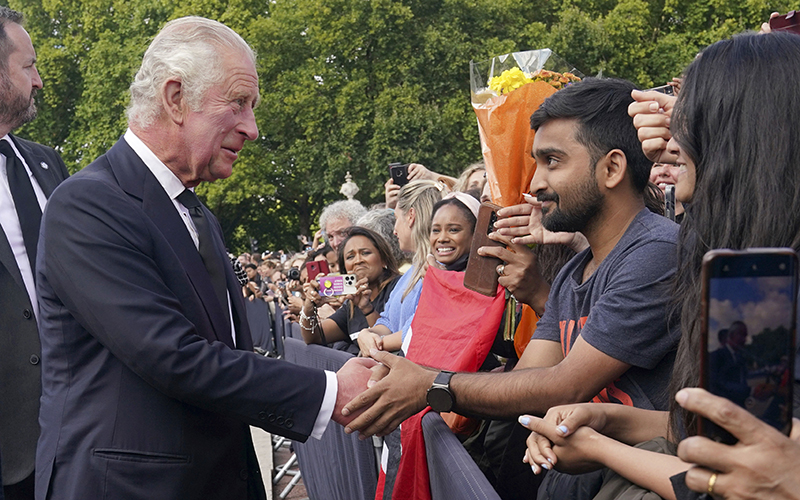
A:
(549, 460)
(545, 467)
(534, 469)
(370, 383)
(562, 429)
(524, 420)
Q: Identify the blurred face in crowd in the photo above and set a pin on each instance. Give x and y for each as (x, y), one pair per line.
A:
(664, 174)
(362, 259)
(19, 81)
(251, 273)
(337, 231)
(686, 176)
(451, 234)
(403, 223)
(737, 335)
(214, 135)
(476, 179)
(486, 194)
(565, 179)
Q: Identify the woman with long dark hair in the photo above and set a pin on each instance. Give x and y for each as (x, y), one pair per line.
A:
(735, 130)
(367, 255)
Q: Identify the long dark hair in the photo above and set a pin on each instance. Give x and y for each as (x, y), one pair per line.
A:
(735, 119)
(390, 270)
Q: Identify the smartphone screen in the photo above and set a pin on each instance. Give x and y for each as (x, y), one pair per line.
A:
(750, 320)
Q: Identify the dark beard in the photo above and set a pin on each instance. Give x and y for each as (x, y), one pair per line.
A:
(587, 205)
(15, 109)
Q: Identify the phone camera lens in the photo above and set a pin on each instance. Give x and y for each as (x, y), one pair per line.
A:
(782, 267)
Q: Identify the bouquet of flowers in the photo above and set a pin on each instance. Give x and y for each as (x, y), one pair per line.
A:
(506, 90)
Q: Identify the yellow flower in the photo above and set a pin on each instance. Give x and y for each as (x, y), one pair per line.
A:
(514, 78)
(510, 79)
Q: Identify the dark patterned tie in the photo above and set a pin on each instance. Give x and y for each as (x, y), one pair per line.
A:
(28, 209)
(206, 247)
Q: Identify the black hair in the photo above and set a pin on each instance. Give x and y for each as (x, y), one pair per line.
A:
(390, 269)
(471, 219)
(7, 46)
(601, 108)
(735, 120)
(250, 265)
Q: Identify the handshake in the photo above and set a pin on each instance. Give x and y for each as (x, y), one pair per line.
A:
(376, 394)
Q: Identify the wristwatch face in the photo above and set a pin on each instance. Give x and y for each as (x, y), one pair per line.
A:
(440, 399)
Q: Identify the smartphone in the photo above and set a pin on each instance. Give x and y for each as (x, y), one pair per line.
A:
(399, 173)
(786, 22)
(481, 274)
(669, 202)
(664, 89)
(337, 284)
(749, 304)
(316, 267)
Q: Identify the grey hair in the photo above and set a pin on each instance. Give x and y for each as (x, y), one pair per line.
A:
(350, 210)
(7, 46)
(381, 221)
(191, 49)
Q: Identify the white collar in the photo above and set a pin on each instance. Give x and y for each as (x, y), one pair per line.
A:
(166, 177)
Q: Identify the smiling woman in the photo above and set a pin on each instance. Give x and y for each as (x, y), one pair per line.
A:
(452, 229)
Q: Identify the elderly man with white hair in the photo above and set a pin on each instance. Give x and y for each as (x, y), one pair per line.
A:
(149, 379)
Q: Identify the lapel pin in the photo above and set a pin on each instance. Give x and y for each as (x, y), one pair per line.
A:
(44, 165)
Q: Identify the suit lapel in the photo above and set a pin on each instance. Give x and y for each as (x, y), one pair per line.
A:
(9, 262)
(137, 180)
(40, 167)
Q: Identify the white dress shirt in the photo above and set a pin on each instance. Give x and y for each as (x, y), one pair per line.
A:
(173, 187)
(10, 223)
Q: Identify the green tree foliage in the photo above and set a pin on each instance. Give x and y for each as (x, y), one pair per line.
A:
(349, 85)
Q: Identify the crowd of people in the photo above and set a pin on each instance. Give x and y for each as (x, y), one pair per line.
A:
(129, 366)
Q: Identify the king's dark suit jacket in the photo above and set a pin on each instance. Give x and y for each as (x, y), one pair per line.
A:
(20, 382)
(143, 396)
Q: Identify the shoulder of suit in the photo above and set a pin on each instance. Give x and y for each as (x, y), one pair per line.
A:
(35, 150)
(30, 145)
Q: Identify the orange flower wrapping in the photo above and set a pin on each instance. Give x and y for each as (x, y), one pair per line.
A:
(507, 138)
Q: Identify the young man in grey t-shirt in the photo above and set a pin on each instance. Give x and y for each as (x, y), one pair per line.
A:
(591, 177)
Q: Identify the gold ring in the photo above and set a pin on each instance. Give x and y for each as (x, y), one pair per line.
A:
(711, 482)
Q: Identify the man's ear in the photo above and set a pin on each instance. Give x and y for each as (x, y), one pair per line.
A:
(174, 103)
(612, 169)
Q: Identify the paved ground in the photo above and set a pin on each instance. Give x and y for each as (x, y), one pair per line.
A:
(263, 446)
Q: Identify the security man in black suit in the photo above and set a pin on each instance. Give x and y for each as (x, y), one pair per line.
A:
(28, 174)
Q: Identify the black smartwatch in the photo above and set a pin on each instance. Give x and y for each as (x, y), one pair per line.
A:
(440, 399)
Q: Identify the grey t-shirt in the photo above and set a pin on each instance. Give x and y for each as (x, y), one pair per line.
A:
(622, 310)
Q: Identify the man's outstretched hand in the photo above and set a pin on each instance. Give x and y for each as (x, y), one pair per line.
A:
(353, 378)
(390, 400)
